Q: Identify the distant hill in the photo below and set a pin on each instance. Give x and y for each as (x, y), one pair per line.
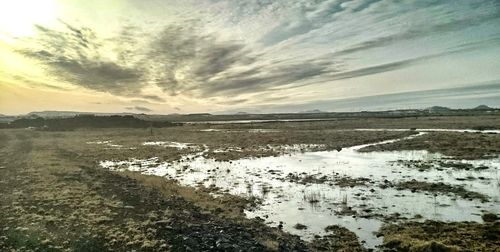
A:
(85, 121)
(54, 114)
(314, 111)
(483, 107)
(438, 109)
(68, 114)
(199, 114)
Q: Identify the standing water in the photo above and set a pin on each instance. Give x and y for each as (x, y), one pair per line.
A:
(347, 188)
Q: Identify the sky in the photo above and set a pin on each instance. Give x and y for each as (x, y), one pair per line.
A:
(187, 56)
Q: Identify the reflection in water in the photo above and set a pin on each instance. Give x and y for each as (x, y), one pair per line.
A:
(362, 208)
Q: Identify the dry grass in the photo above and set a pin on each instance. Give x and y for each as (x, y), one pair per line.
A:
(55, 197)
(198, 196)
(440, 236)
(457, 145)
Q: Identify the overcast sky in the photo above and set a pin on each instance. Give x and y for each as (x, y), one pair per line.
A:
(166, 56)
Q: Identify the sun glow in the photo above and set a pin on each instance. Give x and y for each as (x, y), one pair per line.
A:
(18, 17)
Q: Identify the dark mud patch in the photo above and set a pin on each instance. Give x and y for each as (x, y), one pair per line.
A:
(490, 217)
(299, 226)
(424, 165)
(336, 179)
(458, 165)
(440, 188)
(441, 236)
(420, 165)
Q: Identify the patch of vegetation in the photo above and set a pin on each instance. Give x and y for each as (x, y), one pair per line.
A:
(24, 240)
(299, 226)
(441, 236)
(453, 144)
(89, 244)
(440, 188)
(338, 239)
(341, 181)
(490, 217)
(420, 165)
(457, 165)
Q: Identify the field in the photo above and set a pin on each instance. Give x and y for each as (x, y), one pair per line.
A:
(268, 186)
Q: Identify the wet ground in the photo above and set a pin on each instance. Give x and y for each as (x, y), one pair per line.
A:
(248, 186)
(306, 191)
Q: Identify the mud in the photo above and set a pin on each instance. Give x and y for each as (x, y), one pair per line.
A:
(336, 179)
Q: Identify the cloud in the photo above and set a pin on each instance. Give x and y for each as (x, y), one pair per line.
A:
(179, 59)
(421, 31)
(272, 76)
(76, 56)
(182, 58)
(32, 81)
(154, 98)
(139, 108)
(306, 17)
(202, 65)
(261, 49)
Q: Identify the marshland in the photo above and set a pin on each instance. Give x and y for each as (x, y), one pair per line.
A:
(351, 184)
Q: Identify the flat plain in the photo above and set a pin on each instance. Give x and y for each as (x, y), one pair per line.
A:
(254, 186)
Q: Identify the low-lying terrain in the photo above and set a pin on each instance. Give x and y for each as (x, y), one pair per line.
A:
(58, 196)
(55, 197)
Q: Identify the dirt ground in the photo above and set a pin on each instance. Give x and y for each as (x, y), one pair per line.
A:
(55, 197)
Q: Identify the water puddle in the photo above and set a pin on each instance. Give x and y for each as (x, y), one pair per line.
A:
(176, 145)
(343, 187)
(242, 130)
(106, 143)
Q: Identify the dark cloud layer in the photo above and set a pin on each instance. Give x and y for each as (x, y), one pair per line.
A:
(184, 60)
(74, 56)
(154, 98)
(139, 108)
(178, 60)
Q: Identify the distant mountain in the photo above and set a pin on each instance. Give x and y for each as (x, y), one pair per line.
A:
(314, 111)
(456, 98)
(482, 107)
(86, 121)
(54, 114)
(67, 114)
(199, 114)
(241, 113)
(438, 109)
